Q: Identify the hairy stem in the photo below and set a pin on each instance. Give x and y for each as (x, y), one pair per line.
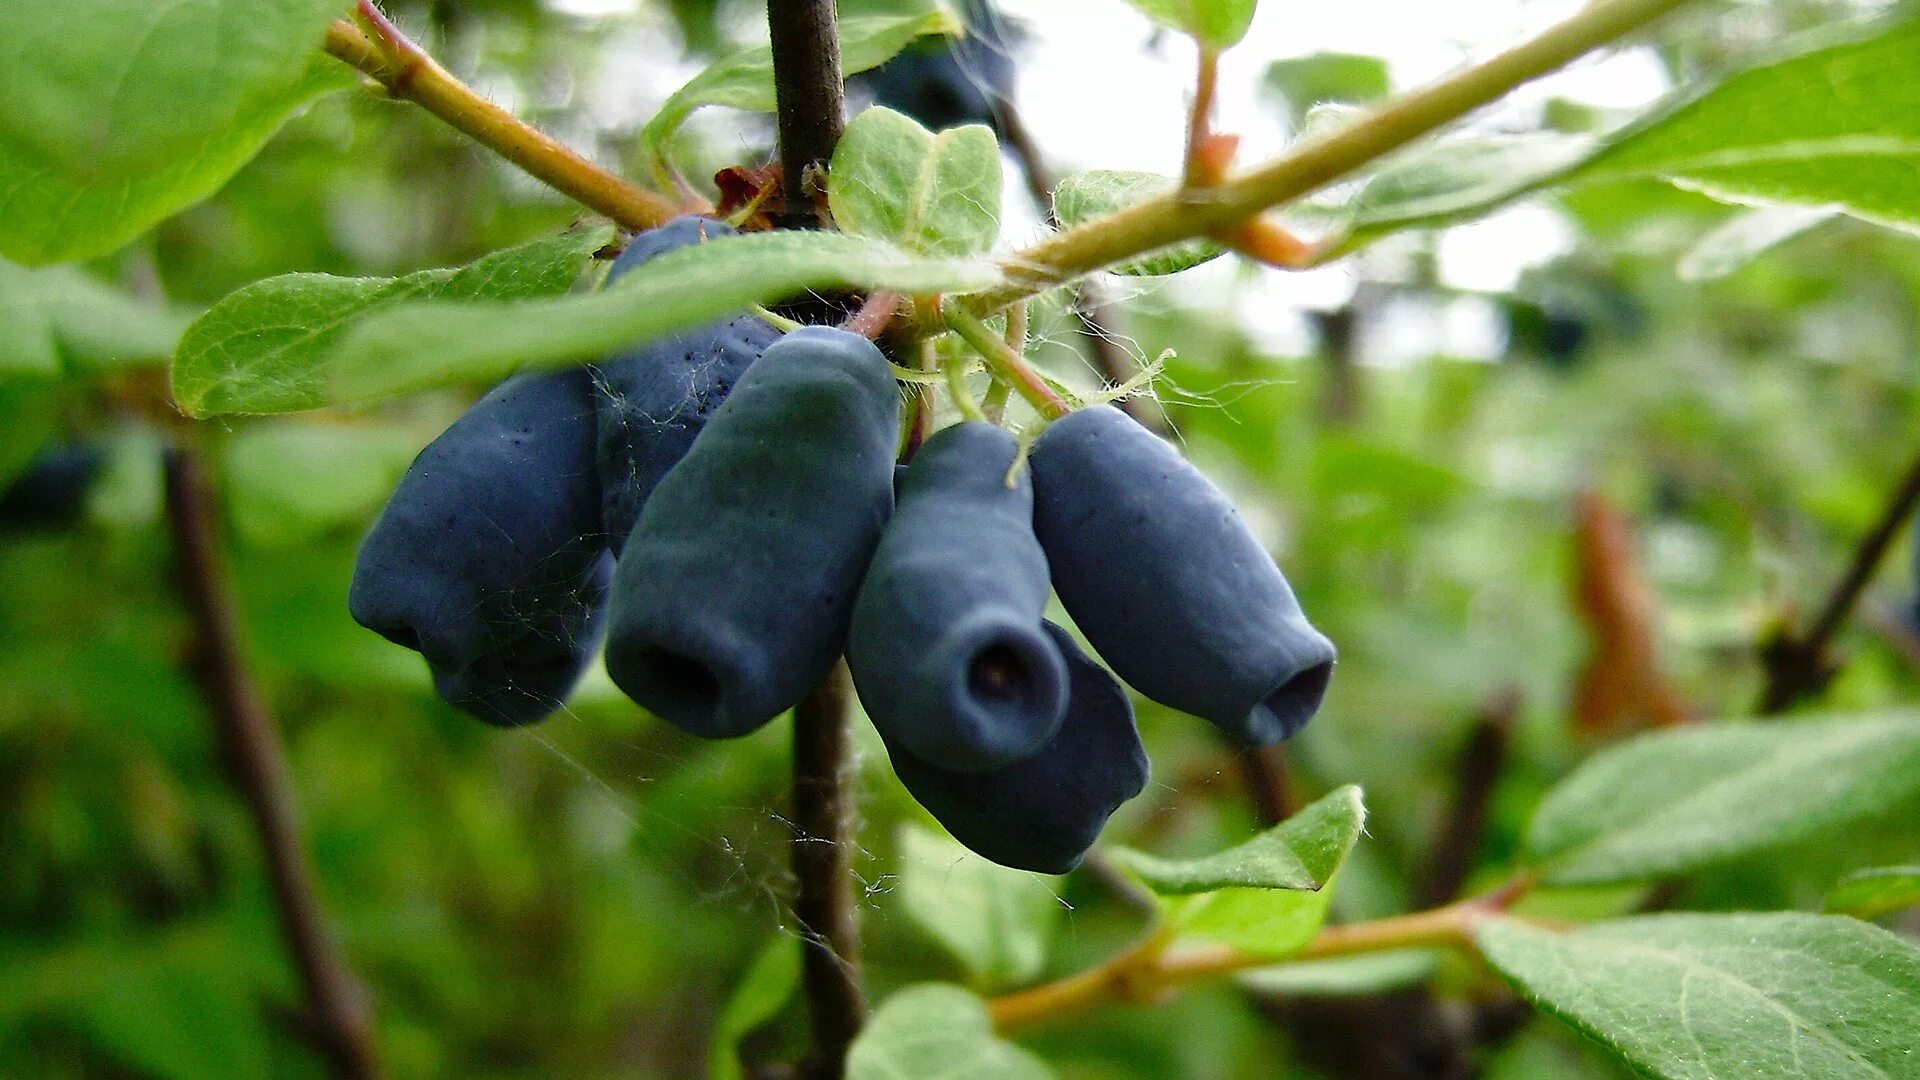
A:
(810, 96)
(823, 902)
(252, 753)
(1006, 365)
(1315, 162)
(409, 74)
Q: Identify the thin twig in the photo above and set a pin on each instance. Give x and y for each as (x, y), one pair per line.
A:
(252, 753)
(1202, 167)
(810, 97)
(409, 74)
(1798, 667)
(1313, 163)
(823, 902)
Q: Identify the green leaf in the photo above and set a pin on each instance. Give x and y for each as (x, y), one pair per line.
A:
(763, 991)
(1458, 180)
(30, 405)
(58, 319)
(1678, 800)
(1300, 853)
(175, 1005)
(1343, 78)
(1219, 23)
(268, 347)
(119, 114)
(1268, 895)
(995, 921)
(744, 80)
(1869, 894)
(1347, 976)
(934, 1030)
(1705, 997)
(1085, 196)
(1745, 237)
(288, 482)
(894, 180)
(1835, 126)
(426, 343)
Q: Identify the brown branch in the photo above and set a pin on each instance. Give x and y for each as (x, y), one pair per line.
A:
(810, 97)
(250, 746)
(1798, 667)
(809, 103)
(823, 902)
(408, 73)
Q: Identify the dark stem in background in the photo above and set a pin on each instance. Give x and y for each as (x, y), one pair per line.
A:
(807, 86)
(1096, 325)
(823, 850)
(1339, 348)
(1798, 667)
(1412, 1034)
(250, 746)
(809, 96)
(1463, 825)
(1263, 770)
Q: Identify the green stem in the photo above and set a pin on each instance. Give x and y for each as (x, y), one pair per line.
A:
(1006, 365)
(956, 372)
(1313, 163)
(993, 403)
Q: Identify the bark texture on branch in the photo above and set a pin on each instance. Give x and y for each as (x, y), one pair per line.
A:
(823, 848)
(809, 95)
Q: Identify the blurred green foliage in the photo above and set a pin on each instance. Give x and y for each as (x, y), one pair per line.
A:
(581, 898)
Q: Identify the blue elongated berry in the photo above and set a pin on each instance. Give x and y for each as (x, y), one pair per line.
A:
(1043, 812)
(52, 491)
(947, 649)
(1167, 583)
(945, 84)
(733, 595)
(489, 559)
(656, 397)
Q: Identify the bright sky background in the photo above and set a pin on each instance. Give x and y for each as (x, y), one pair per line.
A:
(1099, 89)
